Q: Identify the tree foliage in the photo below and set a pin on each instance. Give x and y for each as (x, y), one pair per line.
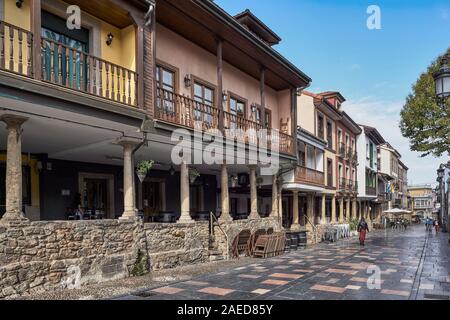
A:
(423, 121)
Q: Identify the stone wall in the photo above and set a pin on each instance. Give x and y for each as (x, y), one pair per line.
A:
(232, 229)
(173, 245)
(44, 256)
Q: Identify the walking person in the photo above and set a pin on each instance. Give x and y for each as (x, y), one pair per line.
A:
(363, 228)
(436, 226)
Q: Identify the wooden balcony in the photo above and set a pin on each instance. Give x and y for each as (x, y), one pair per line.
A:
(66, 67)
(183, 111)
(309, 176)
(371, 191)
(346, 185)
(342, 151)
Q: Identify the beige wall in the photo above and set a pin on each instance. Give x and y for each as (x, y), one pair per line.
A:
(190, 59)
(306, 113)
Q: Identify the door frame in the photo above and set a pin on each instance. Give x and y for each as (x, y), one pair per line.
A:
(111, 213)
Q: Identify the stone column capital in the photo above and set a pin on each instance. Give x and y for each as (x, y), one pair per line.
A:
(128, 142)
(13, 121)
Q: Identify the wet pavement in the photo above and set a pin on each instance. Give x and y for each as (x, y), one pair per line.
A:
(394, 265)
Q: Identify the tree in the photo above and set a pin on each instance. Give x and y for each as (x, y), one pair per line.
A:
(423, 121)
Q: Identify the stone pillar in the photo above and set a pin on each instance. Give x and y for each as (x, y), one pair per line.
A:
(274, 212)
(341, 211)
(280, 202)
(225, 198)
(333, 209)
(295, 213)
(129, 194)
(184, 194)
(13, 168)
(354, 209)
(253, 194)
(349, 211)
(324, 211)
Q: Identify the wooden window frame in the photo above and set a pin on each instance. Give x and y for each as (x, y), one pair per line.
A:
(171, 68)
(268, 112)
(238, 98)
(204, 83)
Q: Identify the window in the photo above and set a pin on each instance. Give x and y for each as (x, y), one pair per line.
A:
(73, 71)
(302, 154)
(268, 120)
(237, 108)
(165, 82)
(330, 134)
(371, 155)
(204, 96)
(329, 172)
(339, 136)
(320, 125)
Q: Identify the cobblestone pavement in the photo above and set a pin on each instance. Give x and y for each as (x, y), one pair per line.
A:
(413, 264)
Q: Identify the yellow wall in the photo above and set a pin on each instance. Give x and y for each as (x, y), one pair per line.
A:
(32, 162)
(18, 17)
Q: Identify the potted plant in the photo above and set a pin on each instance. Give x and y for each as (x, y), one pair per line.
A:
(193, 175)
(143, 168)
(233, 181)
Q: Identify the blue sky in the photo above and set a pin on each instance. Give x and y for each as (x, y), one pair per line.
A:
(373, 69)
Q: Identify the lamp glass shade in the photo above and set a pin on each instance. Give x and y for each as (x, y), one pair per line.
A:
(442, 80)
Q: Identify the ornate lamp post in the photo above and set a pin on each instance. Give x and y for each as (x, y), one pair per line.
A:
(440, 179)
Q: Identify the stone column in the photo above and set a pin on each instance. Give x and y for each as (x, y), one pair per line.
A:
(341, 211)
(295, 213)
(349, 211)
(274, 197)
(184, 194)
(280, 202)
(129, 201)
(354, 210)
(333, 209)
(13, 168)
(324, 212)
(253, 194)
(225, 198)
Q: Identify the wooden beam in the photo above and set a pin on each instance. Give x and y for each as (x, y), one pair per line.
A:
(140, 65)
(219, 43)
(262, 90)
(35, 6)
(294, 120)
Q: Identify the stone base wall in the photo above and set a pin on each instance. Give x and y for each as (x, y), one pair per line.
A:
(233, 228)
(174, 245)
(45, 256)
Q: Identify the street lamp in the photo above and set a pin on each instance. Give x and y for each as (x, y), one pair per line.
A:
(442, 80)
(440, 179)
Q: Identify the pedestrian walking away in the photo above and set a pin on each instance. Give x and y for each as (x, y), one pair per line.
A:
(436, 226)
(363, 228)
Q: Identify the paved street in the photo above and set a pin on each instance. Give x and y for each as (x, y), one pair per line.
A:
(413, 266)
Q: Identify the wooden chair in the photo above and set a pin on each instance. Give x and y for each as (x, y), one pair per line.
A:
(252, 241)
(240, 243)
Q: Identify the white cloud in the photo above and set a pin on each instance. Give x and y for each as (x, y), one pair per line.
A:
(385, 116)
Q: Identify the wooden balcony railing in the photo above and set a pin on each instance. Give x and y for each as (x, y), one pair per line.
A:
(78, 70)
(16, 49)
(309, 176)
(371, 191)
(66, 66)
(181, 110)
(346, 185)
(184, 111)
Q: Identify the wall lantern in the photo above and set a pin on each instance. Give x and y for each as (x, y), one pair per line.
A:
(172, 171)
(19, 3)
(187, 81)
(109, 39)
(442, 81)
(224, 96)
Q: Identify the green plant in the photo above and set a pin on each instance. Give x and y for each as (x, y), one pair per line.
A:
(193, 174)
(145, 166)
(140, 266)
(354, 224)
